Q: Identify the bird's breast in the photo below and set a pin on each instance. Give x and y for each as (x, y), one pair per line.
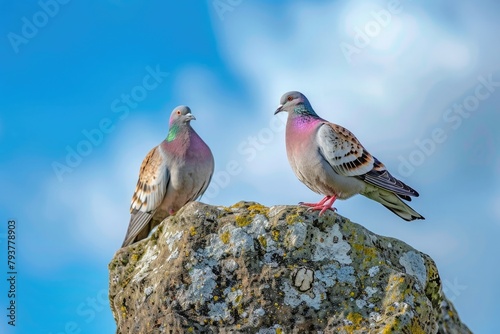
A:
(312, 169)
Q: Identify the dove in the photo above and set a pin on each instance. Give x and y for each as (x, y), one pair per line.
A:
(331, 161)
(175, 172)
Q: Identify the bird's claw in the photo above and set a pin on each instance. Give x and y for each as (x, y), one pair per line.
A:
(323, 205)
(308, 204)
(320, 208)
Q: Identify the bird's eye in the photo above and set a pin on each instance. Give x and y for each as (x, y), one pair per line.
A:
(289, 98)
(178, 112)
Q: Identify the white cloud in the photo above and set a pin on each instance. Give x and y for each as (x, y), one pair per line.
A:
(382, 96)
(393, 90)
(452, 54)
(302, 52)
(393, 93)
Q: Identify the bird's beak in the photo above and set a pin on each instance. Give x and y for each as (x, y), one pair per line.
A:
(280, 109)
(190, 117)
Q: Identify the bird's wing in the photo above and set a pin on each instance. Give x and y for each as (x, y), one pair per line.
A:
(206, 183)
(152, 184)
(380, 177)
(138, 220)
(348, 157)
(343, 151)
(149, 192)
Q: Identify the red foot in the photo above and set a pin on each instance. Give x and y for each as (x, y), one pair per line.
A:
(323, 205)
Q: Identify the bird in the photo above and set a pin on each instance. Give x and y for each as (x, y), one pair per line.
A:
(175, 172)
(331, 161)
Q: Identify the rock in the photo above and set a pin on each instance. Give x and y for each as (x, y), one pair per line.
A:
(253, 269)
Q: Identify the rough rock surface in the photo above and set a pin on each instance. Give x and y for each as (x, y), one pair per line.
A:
(253, 269)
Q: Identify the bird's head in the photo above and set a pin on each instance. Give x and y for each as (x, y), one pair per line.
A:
(181, 114)
(295, 102)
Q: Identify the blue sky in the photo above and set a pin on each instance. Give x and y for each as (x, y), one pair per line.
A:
(87, 89)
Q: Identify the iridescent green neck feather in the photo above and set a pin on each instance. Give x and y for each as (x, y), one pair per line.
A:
(172, 132)
(303, 109)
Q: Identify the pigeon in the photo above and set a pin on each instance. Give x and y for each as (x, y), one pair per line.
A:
(173, 173)
(331, 161)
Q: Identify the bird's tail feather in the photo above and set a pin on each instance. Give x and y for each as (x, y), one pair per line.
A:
(137, 227)
(392, 202)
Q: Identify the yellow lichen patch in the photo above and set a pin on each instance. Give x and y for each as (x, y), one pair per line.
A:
(225, 237)
(242, 221)
(394, 292)
(191, 330)
(391, 282)
(253, 209)
(356, 319)
(391, 328)
(238, 205)
(390, 309)
(258, 208)
(239, 308)
(368, 254)
(415, 327)
(432, 286)
(124, 310)
(134, 258)
(225, 209)
(216, 298)
(293, 218)
(262, 240)
(279, 331)
(276, 235)
(192, 231)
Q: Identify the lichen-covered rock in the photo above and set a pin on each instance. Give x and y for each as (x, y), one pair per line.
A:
(253, 269)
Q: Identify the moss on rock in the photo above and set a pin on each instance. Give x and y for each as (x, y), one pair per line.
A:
(252, 269)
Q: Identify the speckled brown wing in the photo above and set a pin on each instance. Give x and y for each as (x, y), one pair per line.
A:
(343, 151)
(348, 157)
(152, 184)
(149, 192)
